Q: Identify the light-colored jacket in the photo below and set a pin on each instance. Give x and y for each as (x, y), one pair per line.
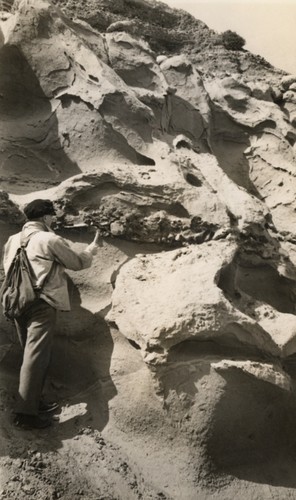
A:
(49, 255)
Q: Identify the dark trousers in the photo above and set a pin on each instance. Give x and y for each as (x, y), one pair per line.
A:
(35, 330)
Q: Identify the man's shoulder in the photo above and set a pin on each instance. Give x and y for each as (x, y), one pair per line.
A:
(42, 240)
(14, 238)
(40, 236)
(50, 238)
(46, 237)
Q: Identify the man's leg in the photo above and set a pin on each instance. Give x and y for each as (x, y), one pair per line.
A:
(41, 319)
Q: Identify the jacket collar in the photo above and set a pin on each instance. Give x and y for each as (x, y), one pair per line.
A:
(33, 225)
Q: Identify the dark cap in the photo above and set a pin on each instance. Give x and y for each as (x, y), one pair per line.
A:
(39, 208)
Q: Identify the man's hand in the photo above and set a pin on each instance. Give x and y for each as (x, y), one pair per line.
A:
(97, 241)
(97, 237)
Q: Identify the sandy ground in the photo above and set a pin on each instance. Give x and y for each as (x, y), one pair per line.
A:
(81, 456)
(138, 454)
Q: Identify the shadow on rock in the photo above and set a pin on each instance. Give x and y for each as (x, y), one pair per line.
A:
(31, 154)
(80, 369)
(252, 435)
(260, 275)
(229, 143)
(261, 282)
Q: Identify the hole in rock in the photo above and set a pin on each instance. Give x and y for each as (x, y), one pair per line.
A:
(184, 68)
(122, 43)
(94, 78)
(140, 77)
(144, 160)
(240, 105)
(183, 144)
(134, 344)
(291, 138)
(178, 210)
(260, 129)
(193, 180)
(155, 348)
(68, 99)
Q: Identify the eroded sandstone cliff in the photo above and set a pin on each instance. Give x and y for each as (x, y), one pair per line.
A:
(133, 117)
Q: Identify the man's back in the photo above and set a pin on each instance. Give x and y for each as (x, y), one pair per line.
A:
(49, 255)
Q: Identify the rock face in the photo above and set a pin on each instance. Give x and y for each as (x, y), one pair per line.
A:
(163, 300)
(133, 117)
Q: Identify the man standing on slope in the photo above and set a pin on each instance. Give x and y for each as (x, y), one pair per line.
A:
(48, 255)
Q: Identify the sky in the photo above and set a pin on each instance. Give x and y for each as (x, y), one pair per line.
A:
(268, 26)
